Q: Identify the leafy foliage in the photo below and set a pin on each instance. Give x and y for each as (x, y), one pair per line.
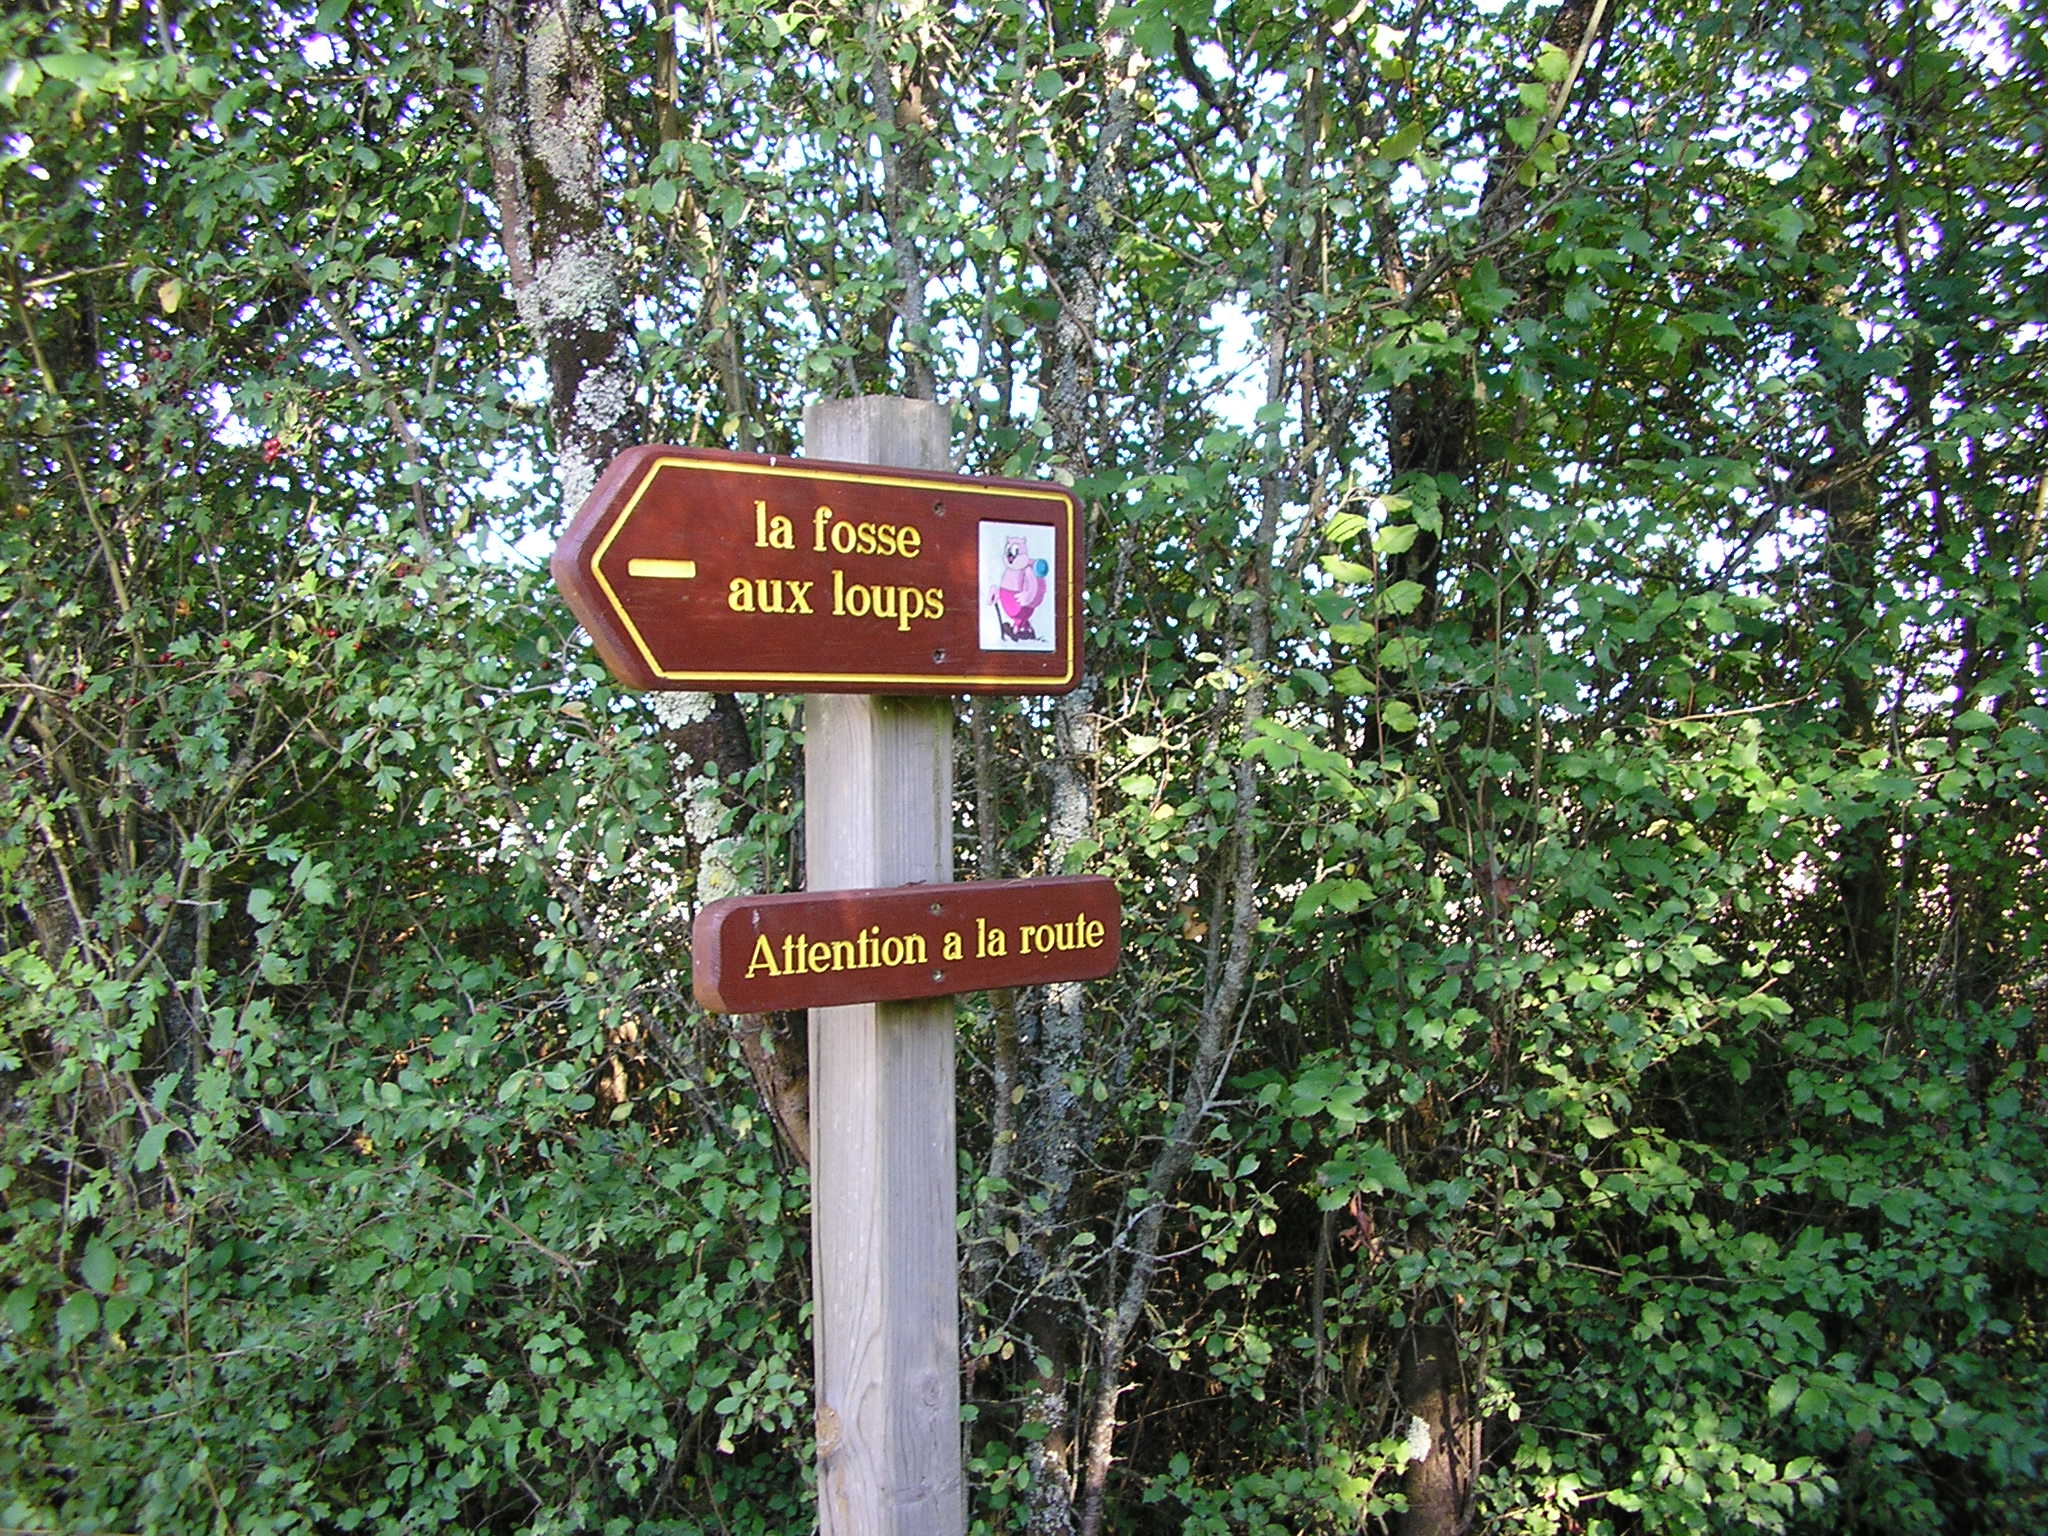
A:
(1565, 713)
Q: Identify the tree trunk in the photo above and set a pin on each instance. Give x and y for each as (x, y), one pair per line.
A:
(1058, 1123)
(548, 65)
(1432, 422)
(1863, 867)
(1441, 1427)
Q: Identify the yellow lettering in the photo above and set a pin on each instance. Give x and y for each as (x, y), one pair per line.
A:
(772, 532)
(801, 955)
(905, 605)
(1077, 932)
(899, 541)
(768, 594)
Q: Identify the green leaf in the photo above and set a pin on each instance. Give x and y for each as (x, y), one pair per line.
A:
(18, 1312)
(1782, 1394)
(1332, 896)
(1402, 597)
(1400, 653)
(314, 879)
(1601, 1127)
(1153, 35)
(96, 1266)
(19, 78)
(1379, 1169)
(80, 1315)
(1396, 539)
(1787, 224)
(1404, 140)
(1399, 715)
(84, 70)
(1345, 526)
(149, 1146)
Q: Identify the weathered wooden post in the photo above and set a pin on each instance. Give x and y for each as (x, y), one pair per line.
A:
(878, 811)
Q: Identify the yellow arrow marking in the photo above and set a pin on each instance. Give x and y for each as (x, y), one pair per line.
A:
(664, 570)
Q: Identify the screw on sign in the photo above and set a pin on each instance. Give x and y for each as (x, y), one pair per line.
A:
(700, 569)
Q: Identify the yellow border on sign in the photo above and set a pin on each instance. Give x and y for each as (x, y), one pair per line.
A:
(799, 471)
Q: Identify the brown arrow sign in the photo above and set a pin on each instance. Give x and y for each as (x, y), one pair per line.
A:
(820, 949)
(725, 572)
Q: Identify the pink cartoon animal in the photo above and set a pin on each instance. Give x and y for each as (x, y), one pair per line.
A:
(1018, 592)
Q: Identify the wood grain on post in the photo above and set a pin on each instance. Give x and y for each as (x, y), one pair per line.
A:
(878, 790)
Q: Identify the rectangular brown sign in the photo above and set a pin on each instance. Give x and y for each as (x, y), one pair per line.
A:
(700, 569)
(819, 949)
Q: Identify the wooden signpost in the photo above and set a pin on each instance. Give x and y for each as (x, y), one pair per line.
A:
(878, 583)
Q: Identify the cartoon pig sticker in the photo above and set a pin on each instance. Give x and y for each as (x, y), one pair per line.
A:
(1018, 590)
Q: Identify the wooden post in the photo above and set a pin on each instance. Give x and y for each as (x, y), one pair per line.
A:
(878, 794)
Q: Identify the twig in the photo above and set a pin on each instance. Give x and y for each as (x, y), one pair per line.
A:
(372, 375)
(561, 1261)
(1730, 714)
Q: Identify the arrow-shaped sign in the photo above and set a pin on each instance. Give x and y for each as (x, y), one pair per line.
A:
(693, 568)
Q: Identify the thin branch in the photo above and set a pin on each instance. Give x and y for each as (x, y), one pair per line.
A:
(338, 322)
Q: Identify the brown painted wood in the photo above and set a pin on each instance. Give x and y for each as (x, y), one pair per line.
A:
(724, 572)
(775, 954)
